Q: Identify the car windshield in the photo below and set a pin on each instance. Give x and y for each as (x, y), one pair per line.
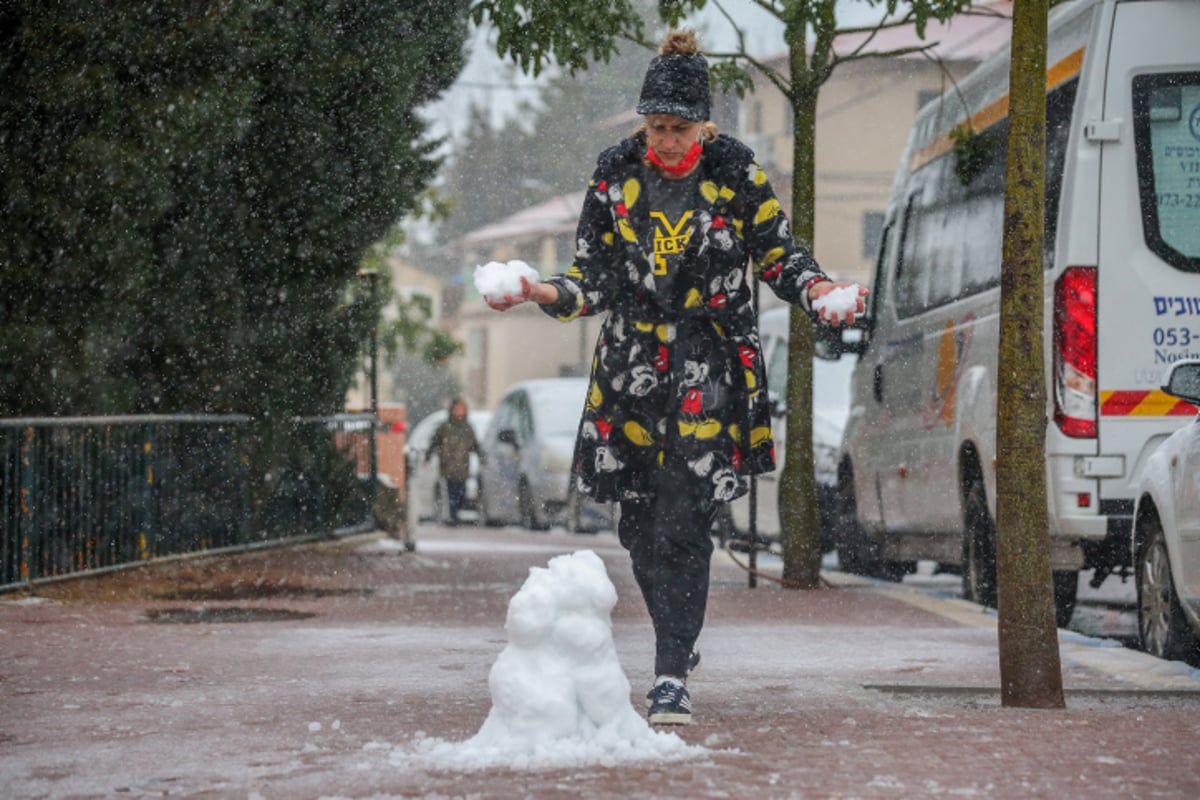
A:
(557, 407)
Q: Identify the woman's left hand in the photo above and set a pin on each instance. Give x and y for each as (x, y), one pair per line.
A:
(847, 317)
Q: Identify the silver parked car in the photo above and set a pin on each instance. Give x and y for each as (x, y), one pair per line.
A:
(425, 485)
(1166, 533)
(526, 477)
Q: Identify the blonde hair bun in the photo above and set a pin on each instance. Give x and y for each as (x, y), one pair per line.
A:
(680, 43)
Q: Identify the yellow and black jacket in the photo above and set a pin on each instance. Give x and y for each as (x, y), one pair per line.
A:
(677, 370)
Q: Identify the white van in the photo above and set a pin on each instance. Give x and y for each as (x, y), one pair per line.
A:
(1122, 290)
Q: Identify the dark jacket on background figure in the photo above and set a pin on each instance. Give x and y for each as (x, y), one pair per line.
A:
(453, 442)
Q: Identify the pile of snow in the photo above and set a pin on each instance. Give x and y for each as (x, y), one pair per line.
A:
(494, 279)
(838, 303)
(559, 696)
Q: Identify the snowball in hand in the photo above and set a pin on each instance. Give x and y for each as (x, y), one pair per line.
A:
(838, 303)
(494, 279)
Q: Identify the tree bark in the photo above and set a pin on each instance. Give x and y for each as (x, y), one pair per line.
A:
(798, 517)
(1030, 668)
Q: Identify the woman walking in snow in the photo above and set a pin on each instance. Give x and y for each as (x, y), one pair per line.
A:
(677, 416)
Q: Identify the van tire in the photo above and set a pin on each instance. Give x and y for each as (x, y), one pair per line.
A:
(979, 547)
(1066, 591)
(858, 554)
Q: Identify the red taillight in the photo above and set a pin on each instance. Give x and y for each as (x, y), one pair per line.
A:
(1075, 352)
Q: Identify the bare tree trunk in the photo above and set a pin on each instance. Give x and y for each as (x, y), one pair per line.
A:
(1030, 669)
(798, 516)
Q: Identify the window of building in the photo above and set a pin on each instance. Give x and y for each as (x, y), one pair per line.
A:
(755, 122)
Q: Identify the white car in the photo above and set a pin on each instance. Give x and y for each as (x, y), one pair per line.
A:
(529, 446)
(1166, 540)
(425, 485)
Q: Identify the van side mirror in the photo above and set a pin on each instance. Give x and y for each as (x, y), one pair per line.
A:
(508, 436)
(1183, 381)
(833, 342)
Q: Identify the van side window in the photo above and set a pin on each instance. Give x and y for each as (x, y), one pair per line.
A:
(1166, 124)
(875, 299)
(1060, 104)
(949, 250)
(907, 286)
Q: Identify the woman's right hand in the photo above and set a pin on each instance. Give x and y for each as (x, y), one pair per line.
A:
(507, 301)
(540, 293)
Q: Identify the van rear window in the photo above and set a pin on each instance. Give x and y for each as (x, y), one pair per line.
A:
(1166, 119)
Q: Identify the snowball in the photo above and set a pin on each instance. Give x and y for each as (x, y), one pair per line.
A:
(839, 303)
(494, 280)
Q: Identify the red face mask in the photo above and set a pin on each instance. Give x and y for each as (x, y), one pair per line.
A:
(686, 163)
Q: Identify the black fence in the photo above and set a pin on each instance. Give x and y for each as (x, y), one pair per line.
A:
(91, 493)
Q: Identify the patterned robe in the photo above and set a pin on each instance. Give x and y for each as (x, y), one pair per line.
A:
(679, 373)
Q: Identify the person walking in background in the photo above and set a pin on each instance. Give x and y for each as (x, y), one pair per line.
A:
(677, 416)
(453, 442)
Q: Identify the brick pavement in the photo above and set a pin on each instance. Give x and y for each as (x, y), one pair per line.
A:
(308, 671)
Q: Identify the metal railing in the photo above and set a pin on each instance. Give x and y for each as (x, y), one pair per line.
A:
(91, 493)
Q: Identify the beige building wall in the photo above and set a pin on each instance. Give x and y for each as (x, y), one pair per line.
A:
(502, 348)
(406, 280)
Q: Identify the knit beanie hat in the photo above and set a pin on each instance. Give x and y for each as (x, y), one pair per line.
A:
(677, 80)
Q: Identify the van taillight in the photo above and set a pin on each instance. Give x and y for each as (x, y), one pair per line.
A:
(1075, 352)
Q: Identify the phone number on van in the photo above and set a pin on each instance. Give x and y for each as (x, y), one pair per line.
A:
(1174, 337)
(1177, 200)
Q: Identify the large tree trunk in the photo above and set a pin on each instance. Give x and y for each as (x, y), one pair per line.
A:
(1030, 670)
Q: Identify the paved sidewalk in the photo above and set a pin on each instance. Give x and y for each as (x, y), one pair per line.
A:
(310, 671)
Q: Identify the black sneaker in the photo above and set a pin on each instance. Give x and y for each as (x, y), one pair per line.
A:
(671, 704)
(692, 665)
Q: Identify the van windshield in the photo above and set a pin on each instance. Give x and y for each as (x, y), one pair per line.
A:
(1167, 131)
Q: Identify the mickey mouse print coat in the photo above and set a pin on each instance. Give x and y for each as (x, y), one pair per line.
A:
(678, 374)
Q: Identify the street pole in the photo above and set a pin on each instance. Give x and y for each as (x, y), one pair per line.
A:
(372, 276)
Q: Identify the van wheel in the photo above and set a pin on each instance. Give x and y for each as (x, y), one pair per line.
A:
(979, 548)
(1066, 590)
(1162, 629)
(529, 516)
(858, 554)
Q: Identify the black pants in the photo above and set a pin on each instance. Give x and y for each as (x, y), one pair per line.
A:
(456, 495)
(669, 540)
